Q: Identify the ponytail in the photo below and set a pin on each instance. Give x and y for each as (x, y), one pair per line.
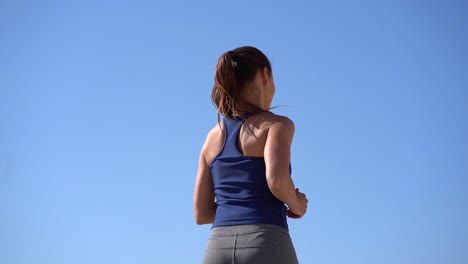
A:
(225, 85)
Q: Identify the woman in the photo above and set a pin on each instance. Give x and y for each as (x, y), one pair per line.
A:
(243, 182)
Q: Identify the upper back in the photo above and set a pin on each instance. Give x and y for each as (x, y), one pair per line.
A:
(252, 136)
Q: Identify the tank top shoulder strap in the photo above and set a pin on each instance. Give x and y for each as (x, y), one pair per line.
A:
(231, 129)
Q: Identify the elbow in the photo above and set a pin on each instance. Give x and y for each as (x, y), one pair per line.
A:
(198, 218)
(202, 219)
(274, 184)
(277, 178)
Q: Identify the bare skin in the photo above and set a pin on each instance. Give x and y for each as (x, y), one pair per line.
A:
(262, 135)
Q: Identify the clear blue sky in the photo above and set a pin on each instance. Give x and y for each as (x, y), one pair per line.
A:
(104, 106)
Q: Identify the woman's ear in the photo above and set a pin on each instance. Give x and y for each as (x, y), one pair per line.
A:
(265, 76)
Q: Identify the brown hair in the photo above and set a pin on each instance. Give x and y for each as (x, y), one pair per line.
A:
(234, 70)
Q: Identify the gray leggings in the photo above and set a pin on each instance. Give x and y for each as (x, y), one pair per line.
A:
(260, 243)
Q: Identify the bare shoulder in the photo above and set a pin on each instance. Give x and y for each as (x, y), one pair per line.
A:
(215, 132)
(269, 119)
(213, 142)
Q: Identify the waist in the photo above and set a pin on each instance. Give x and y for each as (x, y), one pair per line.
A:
(247, 229)
(242, 214)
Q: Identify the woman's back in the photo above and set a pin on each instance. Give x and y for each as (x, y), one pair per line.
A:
(239, 176)
(252, 136)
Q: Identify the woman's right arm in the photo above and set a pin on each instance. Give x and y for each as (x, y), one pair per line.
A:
(204, 206)
(277, 154)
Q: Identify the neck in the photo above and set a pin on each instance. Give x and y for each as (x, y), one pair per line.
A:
(253, 99)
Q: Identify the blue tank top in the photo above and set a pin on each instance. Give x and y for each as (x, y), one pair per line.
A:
(240, 186)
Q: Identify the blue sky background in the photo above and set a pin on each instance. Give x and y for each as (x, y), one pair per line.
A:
(104, 106)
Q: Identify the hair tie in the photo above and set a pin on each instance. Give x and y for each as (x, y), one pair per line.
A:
(232, 58)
